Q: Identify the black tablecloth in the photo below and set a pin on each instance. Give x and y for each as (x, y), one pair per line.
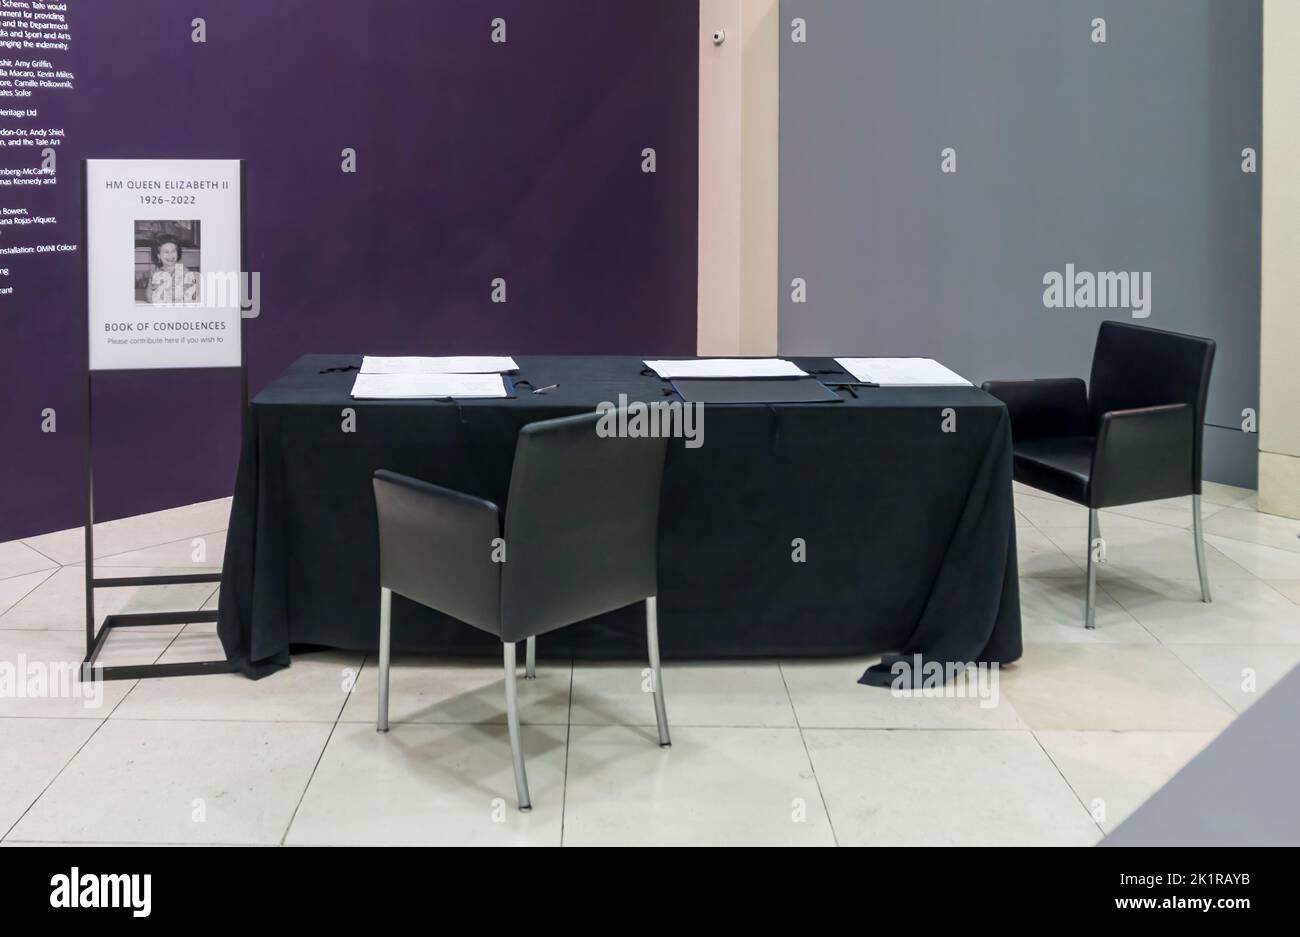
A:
(908, 530)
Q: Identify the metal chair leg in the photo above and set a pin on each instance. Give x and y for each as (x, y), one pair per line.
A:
(530, 659)
(385, 652)
(1199, 534)
(512, 721)
(652, 640)
(1090, 606)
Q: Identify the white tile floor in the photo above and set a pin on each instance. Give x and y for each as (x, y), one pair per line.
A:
(1084, 728)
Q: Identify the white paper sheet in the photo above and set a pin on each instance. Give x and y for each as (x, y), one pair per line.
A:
(726, 367)
(458, 364)
(417, 386)
(901, 372)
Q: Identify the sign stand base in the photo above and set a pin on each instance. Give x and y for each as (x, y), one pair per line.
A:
(92, 670)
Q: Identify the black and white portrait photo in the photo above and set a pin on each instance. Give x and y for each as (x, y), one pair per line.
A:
(167, 263)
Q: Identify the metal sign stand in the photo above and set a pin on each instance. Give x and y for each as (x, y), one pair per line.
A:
(97, 639)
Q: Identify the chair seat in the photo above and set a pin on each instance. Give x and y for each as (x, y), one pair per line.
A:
(1059, 465)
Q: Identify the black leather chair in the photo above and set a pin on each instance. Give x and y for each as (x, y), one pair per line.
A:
(1132, 434)
(579, 539)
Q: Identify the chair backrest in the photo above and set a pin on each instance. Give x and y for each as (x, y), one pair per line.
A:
(581, 524)
(1135, 366)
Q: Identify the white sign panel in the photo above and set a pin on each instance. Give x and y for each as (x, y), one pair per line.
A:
(163, 254)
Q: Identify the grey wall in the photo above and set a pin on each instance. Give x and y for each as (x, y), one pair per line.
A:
(1117, 156)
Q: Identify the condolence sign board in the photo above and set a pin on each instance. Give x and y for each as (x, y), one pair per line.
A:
(163, 249)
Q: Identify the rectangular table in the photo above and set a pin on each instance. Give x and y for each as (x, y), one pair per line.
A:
(880, 523)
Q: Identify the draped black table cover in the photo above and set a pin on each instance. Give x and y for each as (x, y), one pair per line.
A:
(881, 523)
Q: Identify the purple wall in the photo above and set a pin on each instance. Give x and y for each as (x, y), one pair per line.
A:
(475, 161)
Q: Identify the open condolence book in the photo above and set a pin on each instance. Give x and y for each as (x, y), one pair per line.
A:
(902, 372)
(458, 364)
(417, 386)
(726, 367)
